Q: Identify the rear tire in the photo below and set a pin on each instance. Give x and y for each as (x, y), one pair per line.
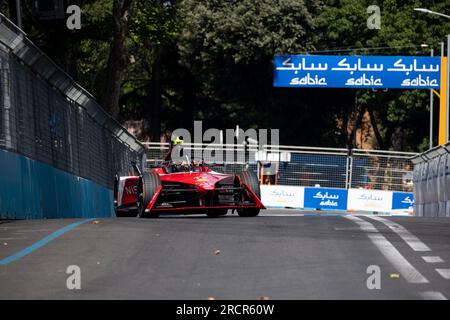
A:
(251, 180)
(147, 186)
(116, 194)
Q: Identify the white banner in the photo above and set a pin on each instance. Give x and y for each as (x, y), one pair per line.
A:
(282, 196)
(369, 200)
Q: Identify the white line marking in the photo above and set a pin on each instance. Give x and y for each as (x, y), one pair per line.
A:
(432, 259)
(445, 273)
(433, 295)
(407, 236)
(264, 214)
(399, 262)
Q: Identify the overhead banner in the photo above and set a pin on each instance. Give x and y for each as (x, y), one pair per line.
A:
(402, 72)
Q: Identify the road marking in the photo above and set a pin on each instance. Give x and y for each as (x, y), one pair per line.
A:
(407, 236)
(433, 295)
(445, 273)
(399, 262)
(22, 253)
(432, 259)
(266, 214)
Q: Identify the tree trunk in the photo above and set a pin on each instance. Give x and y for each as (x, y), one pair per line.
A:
(155, 97)
(188, 101)
(117, 57)
(373, 122)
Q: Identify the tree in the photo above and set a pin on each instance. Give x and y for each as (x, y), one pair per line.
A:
(152, 29)
(397, 116)
(229, 46)
(118, 56)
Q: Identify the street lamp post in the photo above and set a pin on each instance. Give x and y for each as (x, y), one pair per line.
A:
(432, 12)
(448, 65)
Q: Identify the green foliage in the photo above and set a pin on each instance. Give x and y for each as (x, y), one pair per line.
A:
(217, 56)
(153, 24)
(402, 32)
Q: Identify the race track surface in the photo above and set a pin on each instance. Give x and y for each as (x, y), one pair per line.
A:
(282, 254)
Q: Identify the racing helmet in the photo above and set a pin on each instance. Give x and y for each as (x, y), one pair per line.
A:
(177, 140)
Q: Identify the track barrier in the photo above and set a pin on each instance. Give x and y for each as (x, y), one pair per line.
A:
(59, 150)
(432, 182)
(351, 200)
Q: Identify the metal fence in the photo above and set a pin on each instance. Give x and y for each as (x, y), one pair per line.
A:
(305, 166)
(46, 116)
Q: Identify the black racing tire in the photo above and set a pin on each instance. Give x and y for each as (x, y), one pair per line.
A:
(147, 186)
(214, 213)
(250, 179)
(223, 212)
(116, 191)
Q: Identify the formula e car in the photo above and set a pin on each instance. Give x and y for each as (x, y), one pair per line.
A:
(187, 188)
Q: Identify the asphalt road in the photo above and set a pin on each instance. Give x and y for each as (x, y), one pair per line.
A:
(283, 254)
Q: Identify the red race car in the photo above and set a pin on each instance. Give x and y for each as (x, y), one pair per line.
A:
(187, 188)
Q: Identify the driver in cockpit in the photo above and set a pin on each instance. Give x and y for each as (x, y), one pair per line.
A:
(175, 146)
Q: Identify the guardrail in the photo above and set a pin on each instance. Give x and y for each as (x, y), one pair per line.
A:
(59, 150)
(432, 182)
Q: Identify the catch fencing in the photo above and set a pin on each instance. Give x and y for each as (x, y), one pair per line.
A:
(45, 116)
(305, 166)
(432, 182)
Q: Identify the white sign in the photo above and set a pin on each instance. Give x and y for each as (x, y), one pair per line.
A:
(282, 196)
(369, 200)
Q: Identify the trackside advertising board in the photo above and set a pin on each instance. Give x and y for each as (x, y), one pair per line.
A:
(352, 200)
(282, 196)
(325, 199)
(402, 72)
(402, 202)
(369, 200)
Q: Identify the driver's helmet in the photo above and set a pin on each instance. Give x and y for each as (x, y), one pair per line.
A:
(177, 140)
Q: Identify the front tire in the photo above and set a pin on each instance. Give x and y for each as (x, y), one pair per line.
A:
(147, 186)
(214, 213)
(251, 180)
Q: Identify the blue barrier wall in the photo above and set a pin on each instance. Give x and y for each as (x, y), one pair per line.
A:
(32, 189)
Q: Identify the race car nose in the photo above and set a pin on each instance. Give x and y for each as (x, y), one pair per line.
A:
(205, 186)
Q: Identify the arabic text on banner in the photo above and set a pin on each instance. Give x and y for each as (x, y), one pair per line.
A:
(403, 72)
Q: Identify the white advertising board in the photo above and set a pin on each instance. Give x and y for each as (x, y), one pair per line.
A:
(282, 196)
(369, 200)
